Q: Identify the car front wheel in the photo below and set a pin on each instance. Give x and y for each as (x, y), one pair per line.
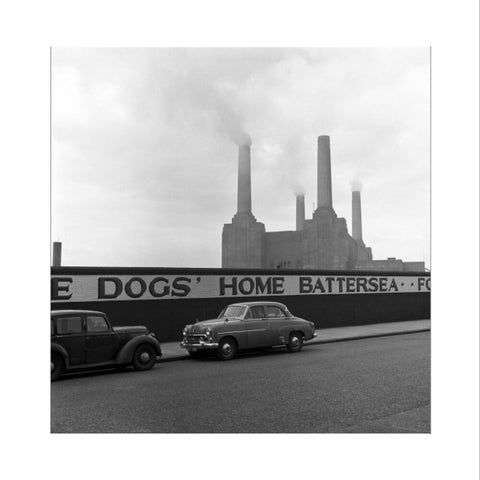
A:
(144, 357)
(56, 366)
(295, 342)
(227, 349)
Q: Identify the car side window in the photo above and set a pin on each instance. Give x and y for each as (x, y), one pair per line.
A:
(96, 324)
(69, 325)
(274, 312)
(257, 312)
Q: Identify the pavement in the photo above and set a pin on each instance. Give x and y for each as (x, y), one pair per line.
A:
(172, 351)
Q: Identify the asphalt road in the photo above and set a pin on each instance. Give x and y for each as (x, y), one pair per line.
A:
(372, 385)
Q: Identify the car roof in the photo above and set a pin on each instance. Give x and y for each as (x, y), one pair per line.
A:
(58, 313)
(252, 304)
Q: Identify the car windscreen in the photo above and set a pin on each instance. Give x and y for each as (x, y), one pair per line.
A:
(96, 324)
(233, 311)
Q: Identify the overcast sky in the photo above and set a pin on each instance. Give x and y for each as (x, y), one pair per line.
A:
(144, 161)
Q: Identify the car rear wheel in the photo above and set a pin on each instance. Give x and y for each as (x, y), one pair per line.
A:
(144, 357)
(227, 349)
(295, 342)
(56, 366)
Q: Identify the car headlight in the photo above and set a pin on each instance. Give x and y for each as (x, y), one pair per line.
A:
(208, 332)
(184, 333)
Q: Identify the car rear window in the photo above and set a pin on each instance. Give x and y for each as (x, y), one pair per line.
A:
(68, 325)
(273, 312)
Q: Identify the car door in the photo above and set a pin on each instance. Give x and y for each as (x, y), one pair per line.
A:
(101, 342)
(257, 327)
(71, 336)
(277, 321)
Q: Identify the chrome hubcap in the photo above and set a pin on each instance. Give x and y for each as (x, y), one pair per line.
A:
(144, 357)
(227, 348)
(295, 341)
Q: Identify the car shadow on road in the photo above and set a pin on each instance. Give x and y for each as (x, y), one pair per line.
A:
(96, 373)
(269, 351)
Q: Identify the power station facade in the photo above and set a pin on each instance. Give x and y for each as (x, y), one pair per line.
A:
(320, 243)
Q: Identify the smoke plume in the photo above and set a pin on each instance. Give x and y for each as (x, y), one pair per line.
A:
(356, 185)
(198, 97)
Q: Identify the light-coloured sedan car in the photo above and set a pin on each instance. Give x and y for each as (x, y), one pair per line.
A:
(245, 326)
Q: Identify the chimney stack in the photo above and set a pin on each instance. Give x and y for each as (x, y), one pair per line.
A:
(244, 199)
(356, 216)
(57, 254)
(300, 212)
(324, 179)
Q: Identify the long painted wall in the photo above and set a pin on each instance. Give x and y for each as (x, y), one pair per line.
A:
(166, 299)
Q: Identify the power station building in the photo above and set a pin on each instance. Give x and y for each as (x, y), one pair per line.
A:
(321, 243)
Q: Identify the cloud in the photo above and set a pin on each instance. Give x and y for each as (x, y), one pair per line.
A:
(143, 146)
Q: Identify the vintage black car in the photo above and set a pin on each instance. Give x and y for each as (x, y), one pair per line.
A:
(85, 339)
(248, 325)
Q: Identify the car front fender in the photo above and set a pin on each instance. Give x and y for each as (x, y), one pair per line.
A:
(126, 353)
(55, 347)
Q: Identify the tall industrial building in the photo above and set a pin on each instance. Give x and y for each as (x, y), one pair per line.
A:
(243, 239)
(322, 242)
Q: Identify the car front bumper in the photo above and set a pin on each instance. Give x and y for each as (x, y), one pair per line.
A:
(200, 345)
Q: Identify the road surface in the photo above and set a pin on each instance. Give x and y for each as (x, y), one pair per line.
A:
(371, 385)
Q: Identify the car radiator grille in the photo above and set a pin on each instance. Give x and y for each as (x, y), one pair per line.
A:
(194, 338)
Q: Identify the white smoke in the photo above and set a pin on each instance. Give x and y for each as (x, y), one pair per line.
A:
(356, 185)
(230, 124)
(298, 191)
(195, 96)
